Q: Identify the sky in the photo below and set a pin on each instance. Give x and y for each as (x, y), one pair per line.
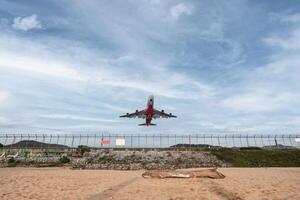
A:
(71, 64)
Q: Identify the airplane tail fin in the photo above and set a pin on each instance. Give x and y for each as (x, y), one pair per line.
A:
(144, 124)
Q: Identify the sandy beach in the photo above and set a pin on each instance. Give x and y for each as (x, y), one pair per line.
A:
(64, 183)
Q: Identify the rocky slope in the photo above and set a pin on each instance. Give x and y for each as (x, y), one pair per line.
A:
(134, 160)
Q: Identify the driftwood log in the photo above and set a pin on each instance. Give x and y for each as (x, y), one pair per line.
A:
(205, 173)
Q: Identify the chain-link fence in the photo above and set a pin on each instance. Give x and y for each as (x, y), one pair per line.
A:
(153, 140)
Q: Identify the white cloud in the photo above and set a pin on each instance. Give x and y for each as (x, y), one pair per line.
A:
(259, 102)
(274, 86)
(33, 58)
(293, 18)
(76, 117)
(37, 66)
(180, 9)
(292, 42)
(3, 96)
(26, 23)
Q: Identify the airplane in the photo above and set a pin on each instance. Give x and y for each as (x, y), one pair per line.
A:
(149, 113)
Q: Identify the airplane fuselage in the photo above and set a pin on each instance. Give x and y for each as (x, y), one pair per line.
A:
(149, 110)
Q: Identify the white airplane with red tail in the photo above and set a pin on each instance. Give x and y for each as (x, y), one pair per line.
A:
(149, 113)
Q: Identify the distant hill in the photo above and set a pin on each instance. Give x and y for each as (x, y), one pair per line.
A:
(34, 144)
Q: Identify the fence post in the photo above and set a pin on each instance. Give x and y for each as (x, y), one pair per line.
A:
(50, 140)
(57, 140)
(14, 140)
(95, 140)
(241, 140)
(109, 145)
(247, 139)
(160, 140)
(79, 143)
(6, 137)
(87, 140)
(102, 140)
(65, 140)
(27, 141)
(190, 142)
(175, 139)
(72, 144)
(21, 137)
(269, 140)
(153, 139)
(283, 141)
(290, 139)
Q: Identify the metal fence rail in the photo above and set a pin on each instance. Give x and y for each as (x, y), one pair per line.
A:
(103, 140)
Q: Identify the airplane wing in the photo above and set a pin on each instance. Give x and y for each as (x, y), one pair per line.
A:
(162, 114)
(138, 114)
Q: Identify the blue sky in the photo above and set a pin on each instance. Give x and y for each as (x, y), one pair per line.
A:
(215, 64)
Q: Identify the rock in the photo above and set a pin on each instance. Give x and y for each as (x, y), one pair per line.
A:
(205, 173)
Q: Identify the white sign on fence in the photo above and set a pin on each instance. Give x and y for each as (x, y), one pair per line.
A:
(120, 141)
(297, 140)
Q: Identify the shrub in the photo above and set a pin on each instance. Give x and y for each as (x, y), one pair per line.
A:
(106, 159)
(11, 162)
(64, 159)
(82, 149)
(260, 158)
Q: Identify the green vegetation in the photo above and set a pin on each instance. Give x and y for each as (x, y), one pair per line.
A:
(253, 157)
(82, 149)
(11, 160)
(110, 159)
(64, 159)
(106, 159)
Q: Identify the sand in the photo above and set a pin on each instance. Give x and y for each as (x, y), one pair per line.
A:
(64, 183)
